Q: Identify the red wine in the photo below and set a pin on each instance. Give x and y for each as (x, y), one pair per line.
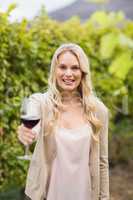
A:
(29, 122)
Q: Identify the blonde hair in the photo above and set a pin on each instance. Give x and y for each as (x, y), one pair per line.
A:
(54, 101)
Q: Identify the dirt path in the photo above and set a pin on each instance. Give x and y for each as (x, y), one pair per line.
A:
(121, 183)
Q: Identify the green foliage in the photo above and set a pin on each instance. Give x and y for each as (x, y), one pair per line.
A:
(25, 54)
(108, 45)
(102, 19)
(121, 65)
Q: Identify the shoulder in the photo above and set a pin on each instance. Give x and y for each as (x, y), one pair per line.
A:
(40, 97)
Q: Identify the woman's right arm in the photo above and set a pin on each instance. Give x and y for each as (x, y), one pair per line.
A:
(26, 135)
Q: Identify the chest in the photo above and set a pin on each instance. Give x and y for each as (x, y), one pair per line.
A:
(71, 118)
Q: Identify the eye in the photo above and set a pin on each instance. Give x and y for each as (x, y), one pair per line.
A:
(75, 67)
(63, 67)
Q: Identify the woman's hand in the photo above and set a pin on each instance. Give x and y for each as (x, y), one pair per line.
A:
(25, 135)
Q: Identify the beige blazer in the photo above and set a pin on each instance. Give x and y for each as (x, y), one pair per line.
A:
(45, 151)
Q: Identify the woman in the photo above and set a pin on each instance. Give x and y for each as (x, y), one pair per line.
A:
(70, 160)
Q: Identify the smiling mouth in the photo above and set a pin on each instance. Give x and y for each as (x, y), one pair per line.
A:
(68, 82)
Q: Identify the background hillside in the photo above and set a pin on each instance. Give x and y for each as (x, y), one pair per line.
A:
(84, 9)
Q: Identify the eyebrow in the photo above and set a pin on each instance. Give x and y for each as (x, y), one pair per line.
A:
(62, 64)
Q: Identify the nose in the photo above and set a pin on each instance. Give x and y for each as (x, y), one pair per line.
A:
(68, 72)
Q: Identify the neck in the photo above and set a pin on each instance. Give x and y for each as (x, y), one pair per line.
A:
(72, 96)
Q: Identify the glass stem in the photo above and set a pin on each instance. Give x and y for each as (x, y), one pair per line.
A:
(27, 150)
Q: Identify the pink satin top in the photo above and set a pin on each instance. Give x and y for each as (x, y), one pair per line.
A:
(70, 175)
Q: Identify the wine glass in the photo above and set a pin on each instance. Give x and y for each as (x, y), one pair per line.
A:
(30, 118)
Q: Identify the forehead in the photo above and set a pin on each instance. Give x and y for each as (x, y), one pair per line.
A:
(68, 58)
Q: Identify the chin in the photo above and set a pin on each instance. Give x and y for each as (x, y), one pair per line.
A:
(69, 88)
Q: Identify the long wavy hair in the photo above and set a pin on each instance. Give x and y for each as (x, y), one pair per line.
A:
(54, 98)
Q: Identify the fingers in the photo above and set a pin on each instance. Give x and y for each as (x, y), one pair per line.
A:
(25, 135)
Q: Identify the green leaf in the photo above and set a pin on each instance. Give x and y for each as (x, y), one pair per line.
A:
(99, 18)
(108, 44)
(121, 65)
(11, 8)
(125, 41)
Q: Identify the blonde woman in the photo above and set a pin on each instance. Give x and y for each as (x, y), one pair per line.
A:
(70, 160)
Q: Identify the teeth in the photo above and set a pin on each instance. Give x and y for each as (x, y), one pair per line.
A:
(68, 81)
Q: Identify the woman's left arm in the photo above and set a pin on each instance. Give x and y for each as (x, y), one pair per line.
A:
(104, 165)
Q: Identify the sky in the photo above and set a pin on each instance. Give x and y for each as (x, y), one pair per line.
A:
(30, 8)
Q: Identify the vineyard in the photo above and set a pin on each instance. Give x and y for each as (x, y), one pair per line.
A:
(26, 49)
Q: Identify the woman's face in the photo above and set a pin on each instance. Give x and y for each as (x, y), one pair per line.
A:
(68, 72)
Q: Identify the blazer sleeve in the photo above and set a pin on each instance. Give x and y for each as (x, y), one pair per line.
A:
(104, 165)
